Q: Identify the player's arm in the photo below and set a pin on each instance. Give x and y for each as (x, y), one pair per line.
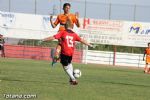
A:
(49, 38)
(82, 41)
(85, 42)
(55, 23)
(144, 55)
(57, 36)
(78, 23)
(77, 20)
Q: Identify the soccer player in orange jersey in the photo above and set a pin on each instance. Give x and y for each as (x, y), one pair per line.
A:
(147, 53)
(61, 19)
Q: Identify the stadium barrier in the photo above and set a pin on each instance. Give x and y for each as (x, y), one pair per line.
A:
(80, 56)
(35, 52)
(105, 57)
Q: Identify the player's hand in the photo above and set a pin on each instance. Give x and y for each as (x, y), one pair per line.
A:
(45, 39)
(92, 46)
(40, 42)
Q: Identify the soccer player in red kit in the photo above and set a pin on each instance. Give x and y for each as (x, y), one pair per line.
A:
(68, 38)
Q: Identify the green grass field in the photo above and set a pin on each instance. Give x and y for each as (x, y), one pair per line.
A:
(98, 82)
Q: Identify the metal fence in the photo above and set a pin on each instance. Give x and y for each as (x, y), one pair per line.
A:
(85, 8)
(120, 59)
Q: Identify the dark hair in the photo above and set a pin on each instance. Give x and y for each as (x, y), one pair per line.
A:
(66, 4)
(148, 43)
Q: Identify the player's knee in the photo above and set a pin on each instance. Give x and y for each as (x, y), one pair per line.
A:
(66, 67)
(58, 49)
(148, 65)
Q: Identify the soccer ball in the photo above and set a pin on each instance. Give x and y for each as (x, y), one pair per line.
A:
(77, 73)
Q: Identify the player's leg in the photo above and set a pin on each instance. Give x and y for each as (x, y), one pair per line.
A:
(71, 68)
(65, 62)
(146, 69)
(0, 51)
(3, 52)
(53, 50)
(55, 54)
(58, 50)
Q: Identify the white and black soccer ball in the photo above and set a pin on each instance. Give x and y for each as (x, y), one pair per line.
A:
(77, 73)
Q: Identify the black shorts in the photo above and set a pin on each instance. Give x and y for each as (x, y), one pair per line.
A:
(65, 60)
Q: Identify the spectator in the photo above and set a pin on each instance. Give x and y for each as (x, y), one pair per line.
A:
(2, 53)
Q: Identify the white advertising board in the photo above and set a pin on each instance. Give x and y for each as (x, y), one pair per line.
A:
(116, 32)
(111, 32)
(27, 26)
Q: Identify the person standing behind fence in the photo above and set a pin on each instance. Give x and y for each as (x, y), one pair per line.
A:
(2, 54)
(61, 19)
(147, 53)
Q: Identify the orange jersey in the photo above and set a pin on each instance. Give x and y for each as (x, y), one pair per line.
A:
(147, 52)
(62, 18)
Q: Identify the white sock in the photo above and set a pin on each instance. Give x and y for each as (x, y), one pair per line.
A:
(71, 67)
(69, 71)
